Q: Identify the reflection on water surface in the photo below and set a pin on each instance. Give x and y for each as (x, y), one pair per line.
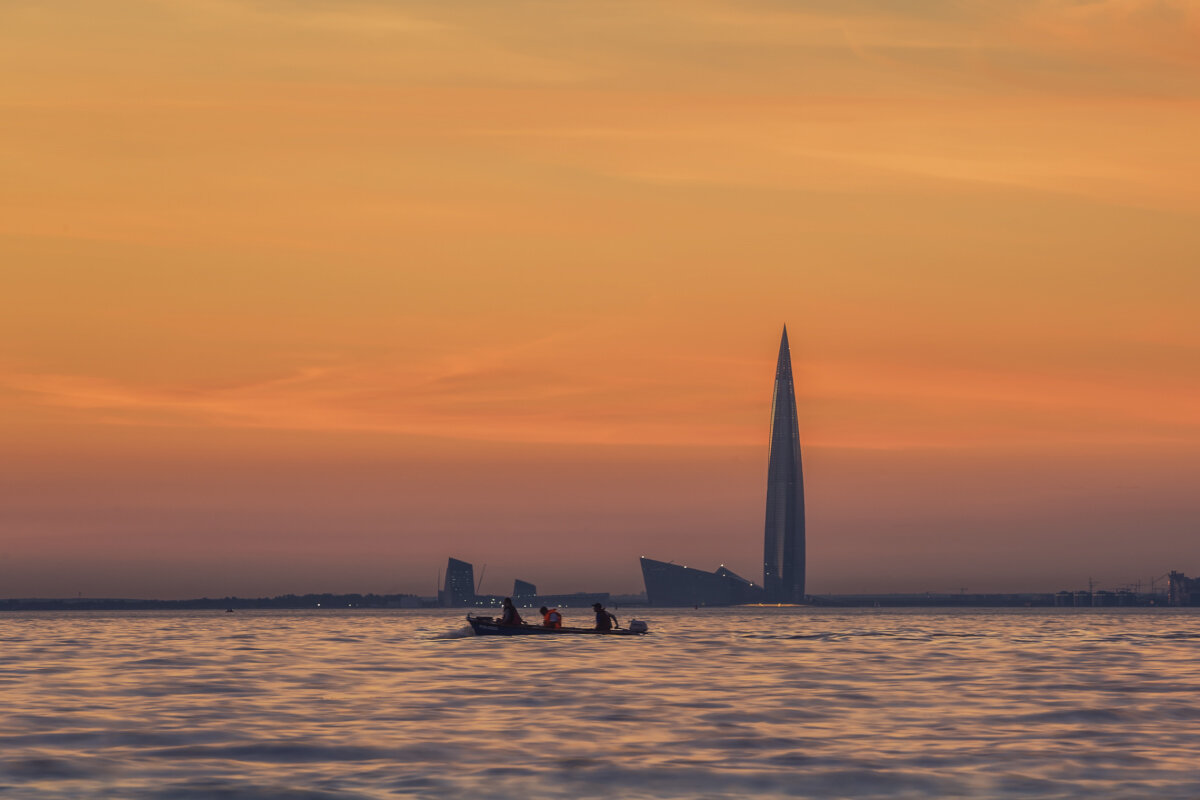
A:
(723, 703)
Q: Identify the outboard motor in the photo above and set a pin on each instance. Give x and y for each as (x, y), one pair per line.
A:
(638, 626)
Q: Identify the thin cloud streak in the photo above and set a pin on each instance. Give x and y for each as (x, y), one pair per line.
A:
(922, 406)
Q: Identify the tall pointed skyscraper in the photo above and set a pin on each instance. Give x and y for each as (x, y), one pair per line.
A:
(783, 542)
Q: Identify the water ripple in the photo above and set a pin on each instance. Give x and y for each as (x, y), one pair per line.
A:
(734, 703)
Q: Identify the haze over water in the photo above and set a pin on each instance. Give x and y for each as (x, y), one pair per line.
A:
(715, 704)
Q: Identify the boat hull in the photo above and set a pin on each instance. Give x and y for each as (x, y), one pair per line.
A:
(486, 626)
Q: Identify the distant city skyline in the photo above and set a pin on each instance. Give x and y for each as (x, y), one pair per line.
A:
(406, 281)
(783, 540)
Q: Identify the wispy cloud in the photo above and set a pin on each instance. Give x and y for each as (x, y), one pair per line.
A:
(846, 403)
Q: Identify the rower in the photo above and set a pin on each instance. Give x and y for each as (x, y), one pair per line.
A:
(550, 617)
(604, 620)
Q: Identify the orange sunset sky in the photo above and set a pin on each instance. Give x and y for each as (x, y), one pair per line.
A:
(308, 296)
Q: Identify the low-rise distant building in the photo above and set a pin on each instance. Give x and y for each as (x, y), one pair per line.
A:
(674, 585)
(560, 601)
(459, 592)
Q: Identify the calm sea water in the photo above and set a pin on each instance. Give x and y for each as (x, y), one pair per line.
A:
(715, 704)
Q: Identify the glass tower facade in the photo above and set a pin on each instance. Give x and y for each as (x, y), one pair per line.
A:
(783, 540)
(460, 584)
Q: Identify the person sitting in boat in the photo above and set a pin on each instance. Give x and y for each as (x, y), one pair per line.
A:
(605, 621)
(550, 617)
(510, 615)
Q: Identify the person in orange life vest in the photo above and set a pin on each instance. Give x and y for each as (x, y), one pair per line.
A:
(510, 615)
(551, 618)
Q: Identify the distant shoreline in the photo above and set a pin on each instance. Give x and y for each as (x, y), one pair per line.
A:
(414, 602)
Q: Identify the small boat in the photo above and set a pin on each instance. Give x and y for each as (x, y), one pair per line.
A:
(489, 626)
